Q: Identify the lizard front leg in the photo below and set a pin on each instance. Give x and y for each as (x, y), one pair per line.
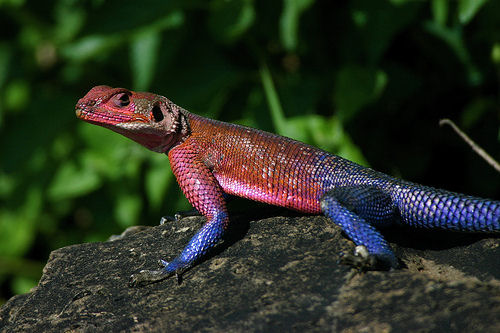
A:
(204, 192)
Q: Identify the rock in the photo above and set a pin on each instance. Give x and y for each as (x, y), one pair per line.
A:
(273, 274)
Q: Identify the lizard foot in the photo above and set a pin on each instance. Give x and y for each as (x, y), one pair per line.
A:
(146, 277)
(363, 261)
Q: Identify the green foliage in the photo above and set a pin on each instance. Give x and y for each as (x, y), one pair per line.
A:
(289, 22)
(229, 20)
(349, 77)
(356, 87)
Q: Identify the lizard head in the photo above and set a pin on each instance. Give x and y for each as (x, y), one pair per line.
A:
(151, 120)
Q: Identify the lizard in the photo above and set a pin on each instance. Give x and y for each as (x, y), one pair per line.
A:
(212, 160)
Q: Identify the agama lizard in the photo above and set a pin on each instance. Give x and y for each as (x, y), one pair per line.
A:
(212, 159)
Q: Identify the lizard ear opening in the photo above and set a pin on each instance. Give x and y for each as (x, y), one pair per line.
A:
(157, 114)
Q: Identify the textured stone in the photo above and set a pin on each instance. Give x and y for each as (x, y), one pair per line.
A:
(274, 274)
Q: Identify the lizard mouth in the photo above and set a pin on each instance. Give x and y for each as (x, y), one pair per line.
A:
(103, 117)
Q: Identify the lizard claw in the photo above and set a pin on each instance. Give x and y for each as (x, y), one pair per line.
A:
(363, 261)
(146, 277)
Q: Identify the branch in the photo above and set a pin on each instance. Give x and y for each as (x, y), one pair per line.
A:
(483, 154)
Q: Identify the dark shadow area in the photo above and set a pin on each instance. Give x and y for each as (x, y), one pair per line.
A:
(432, 239)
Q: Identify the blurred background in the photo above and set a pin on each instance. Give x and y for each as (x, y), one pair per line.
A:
(368, 80)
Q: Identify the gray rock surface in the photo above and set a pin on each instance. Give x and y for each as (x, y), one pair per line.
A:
(274, 274)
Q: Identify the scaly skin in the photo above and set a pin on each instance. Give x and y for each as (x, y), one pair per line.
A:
(210, 158)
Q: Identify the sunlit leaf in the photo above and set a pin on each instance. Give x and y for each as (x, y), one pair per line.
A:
(273, 101)
(7, 184)
(230, 19)
(17, 228)
(144, 57)
(17, 95)
(127, 209)
(15, 3)
(22, 285)
(289, 21)
(355, 87)
(475, 110)
(90, 47)
(440, 11)
(328, 134)
(467, 9)
(400, 2)
(71, 181)
(495, 53)
(70, 18)
(158, 178)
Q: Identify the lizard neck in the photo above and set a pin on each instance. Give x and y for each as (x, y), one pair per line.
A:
(180, 129)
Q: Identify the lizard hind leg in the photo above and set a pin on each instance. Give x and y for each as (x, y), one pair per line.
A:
(356, 210)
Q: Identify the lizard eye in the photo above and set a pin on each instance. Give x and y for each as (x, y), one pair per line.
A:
(121, 100)
(157, 114)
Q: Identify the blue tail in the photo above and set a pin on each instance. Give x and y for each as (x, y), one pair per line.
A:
(427, 207)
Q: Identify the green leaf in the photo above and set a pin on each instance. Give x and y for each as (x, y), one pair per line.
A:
(90, 47)
(314, 129)
(17, 228)
(144, 58)
(145, 42)
(70, 17)
(400, 2)
(453, 37)
(14, 265)
(475, 111)
(467, 9)
(273, 100)
(440, 11)
(378, 22)
(495, 54)
(17, 95)
(230, 19)
(355, 87)
(289, 21)
(72, 181)
(107, 151)
(101, 139)
(7, 184)
(127, 209)
(13, 3)
(22, 285)
(325, 133)
(158, 179)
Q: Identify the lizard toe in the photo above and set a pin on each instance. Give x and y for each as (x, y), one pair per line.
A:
(362, 260)
(146, 277)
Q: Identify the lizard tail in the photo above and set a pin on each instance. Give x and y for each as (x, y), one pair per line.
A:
(427, 207)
